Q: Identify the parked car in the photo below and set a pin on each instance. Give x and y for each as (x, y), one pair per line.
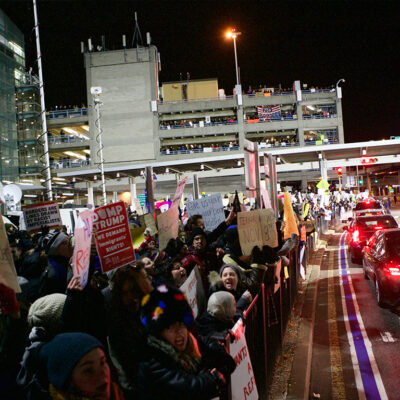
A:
(381, 264)
(361, 229)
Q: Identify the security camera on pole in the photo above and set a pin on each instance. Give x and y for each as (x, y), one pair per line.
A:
(96, 92)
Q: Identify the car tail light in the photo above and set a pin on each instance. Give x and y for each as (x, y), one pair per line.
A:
(356, 236)
(392, 270)
(377, 228)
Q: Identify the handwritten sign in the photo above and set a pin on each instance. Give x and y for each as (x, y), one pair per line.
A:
(44, 214)
(83, 240)
(150, 223)
(243, 383)
(179, 190)
(137, 236)
(257, 228)
(289, 218)
(210, 208)
(113, 240)
(193, 288)
(168, 224)
(8, 275)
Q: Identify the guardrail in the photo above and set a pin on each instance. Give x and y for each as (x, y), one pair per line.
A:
(70, 113)
(196, 125)
(319, 116)
(66, 139)
(203, 150)
(69, 164)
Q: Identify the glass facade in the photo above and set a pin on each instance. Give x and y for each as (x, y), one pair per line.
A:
(12, 67)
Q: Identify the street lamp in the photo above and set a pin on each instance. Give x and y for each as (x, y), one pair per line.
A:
(339, 89)
(233, 33)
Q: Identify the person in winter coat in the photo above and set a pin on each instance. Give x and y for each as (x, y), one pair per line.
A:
(59, 251)
(219, 317)
(45, 320)
(230, 279)
(126, 335)
(77, 369)
(177, 365)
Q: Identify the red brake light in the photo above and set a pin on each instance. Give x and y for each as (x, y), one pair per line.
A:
(356, 236)
(393, 270)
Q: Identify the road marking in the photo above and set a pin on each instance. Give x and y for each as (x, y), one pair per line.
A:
(387, 337)
(367, 376)
(338, 388)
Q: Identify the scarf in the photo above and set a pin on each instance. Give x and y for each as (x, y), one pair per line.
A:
(189, 359)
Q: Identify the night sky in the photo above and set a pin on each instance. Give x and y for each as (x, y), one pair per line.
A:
(315, 42)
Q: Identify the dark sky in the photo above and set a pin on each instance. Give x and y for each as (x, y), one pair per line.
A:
(316, 42)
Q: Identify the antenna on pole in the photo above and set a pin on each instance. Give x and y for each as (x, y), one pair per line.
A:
(137, 36)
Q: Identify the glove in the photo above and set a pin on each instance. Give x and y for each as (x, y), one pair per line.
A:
(258, 256)
(289, 245)
(227, 366)
(270, 256)
(218, 377)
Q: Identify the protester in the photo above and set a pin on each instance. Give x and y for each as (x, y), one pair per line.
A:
(177, 365)
(77, 369)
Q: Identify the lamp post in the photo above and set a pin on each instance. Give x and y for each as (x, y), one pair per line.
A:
(233, 33)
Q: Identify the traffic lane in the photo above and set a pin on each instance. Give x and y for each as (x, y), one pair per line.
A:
(382, 327)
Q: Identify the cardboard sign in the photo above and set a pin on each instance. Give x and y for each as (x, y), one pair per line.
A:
(8, 275)
(137, 236)
(150, 223)
(113, 240)
(83, 240)
(168, 224)
(243, 383)
(44, 214)
(179, 190)
(257, 228)
(193, 288)
(265, 198)
(288, 217)
(210, 208)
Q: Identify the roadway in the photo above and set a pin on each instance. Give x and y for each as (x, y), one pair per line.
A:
(347, 346)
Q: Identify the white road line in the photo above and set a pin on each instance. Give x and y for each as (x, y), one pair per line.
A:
(367, 342)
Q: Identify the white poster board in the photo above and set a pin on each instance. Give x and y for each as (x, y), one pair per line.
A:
(44, 214)
(179, 190)
(210, 208)
(243, 383)
(193, 288)
(168, 224)
(8, 275)
(83, 240)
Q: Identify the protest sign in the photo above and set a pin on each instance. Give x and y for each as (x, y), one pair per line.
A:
(8, 275)
(113, 240)
(193, 288)
(210, 208)
(179, 190)
(168, 223)
(83, 240)
(44, 214)
(243, 383)
(257, 228)
(289, 218)
(137, 236)
(150, 223)
(265, 198)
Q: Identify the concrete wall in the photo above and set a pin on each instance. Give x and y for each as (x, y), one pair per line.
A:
(128, 83)
(204, 89)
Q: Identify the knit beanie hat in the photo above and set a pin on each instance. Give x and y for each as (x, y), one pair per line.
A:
(164, 306)
(157, 257)
(46, 312)
(222, 305)
(196, 231)
(52, 240)
(63, 353)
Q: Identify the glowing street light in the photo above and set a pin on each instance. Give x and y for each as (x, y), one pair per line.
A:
(233, 34)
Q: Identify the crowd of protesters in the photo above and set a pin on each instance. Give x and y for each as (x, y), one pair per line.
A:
(130, 333)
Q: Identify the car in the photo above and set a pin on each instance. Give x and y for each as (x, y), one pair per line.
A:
(381, 264)
(368, 204)
(361, 229)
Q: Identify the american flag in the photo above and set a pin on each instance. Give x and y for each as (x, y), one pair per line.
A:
(269, 112)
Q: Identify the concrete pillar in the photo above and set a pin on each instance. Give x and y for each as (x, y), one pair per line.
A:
(369, 183)
(339, 113)
(303, 184)
(322, 166)
(196, 188)
(241, 134)
(115, 197)
(300, 123)
(132, 187)
(344, 177)
(90, 199)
